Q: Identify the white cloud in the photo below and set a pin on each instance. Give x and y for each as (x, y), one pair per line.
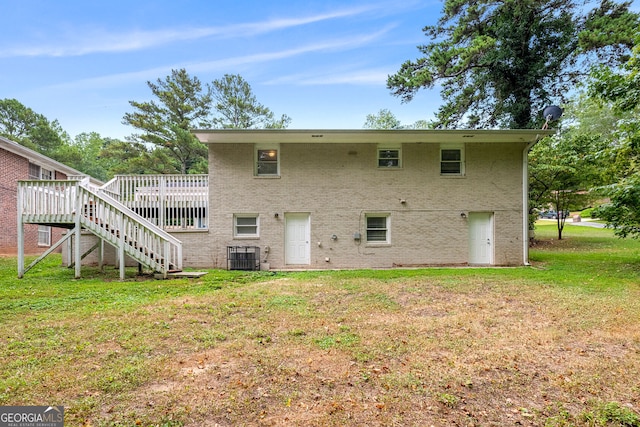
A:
(91, 41)
(224, 64)
(365, 76)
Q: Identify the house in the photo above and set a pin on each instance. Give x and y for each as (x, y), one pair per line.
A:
(325, 199)
(307, 199)
(18, 162)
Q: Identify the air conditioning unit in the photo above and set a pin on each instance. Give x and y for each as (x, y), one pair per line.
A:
(243, 258)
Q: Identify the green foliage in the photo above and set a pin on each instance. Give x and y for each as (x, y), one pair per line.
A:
(499, 62)
(33, 130)
(623, 212)
(587, 213)
(619, 90)
(447, 399)
(385, 119)
(236, 107)
(86, 153)
(560, 169)
(166, 144)
(612, 413)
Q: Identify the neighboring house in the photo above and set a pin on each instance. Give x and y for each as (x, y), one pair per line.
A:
(21, 163)
(322, 199)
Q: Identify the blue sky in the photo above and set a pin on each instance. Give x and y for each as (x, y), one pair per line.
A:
(324, 63)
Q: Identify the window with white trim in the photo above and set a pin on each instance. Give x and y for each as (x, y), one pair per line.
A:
(267, 160)
(37, 172)
(389, 157)
(46, 174)
(44, 235)
(34, 171)
(246, 225)
(452, 160)
(377, 228)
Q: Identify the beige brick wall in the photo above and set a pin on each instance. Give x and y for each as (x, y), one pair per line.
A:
(192, 253)
(337, 184)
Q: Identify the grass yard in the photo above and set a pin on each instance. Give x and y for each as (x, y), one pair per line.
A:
(556, 344)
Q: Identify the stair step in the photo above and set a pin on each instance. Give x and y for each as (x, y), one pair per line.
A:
(182, 275)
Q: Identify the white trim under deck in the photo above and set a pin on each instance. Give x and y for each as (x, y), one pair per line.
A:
(76, 205)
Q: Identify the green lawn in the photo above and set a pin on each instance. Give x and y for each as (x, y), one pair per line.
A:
(554, 344)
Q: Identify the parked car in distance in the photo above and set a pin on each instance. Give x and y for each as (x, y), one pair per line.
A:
(553, 214)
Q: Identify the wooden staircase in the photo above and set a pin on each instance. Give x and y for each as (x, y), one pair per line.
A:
(76, 205)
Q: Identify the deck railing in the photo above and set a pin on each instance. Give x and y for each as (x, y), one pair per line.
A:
(60, 202)
(172, 202)
(44, 201)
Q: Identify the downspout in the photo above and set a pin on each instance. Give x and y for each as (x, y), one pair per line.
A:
(525, 200)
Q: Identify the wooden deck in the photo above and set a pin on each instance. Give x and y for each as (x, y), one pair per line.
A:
(127, 213)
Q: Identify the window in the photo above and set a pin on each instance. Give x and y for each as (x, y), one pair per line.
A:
(377, 228)
(246, 225)
(36, 172)
(389, 157)
(46, 174)
(44, 235)
(451, 160)
(267, 161)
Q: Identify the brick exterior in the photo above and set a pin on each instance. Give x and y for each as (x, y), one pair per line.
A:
(194, 253)
(12, 169)
(337, 184)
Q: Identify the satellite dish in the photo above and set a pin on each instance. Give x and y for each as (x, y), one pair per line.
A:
(551, 113)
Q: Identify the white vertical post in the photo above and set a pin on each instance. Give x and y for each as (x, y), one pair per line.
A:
(78, 247)
(121, 247)
(161, 202)
(20, 234)
(69, 250)
(101, 254)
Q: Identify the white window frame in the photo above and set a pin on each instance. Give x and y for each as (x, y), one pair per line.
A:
(386, 148)
(237, 227)
(34, 171)
(46, 174)
(38, 172)
(44, 235)
(387, 229)
(460, 148)
(256, 164)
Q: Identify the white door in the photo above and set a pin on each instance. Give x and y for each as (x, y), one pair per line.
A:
(480, 238)
(297, 237)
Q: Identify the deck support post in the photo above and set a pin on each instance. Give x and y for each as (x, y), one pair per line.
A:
(20, 237)
(77, 255)
(121, 249)
(69, 250)
(101, 254)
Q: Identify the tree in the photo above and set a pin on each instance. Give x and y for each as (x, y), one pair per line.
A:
(385, 119)
(501, 61)
(561, 168)
(236, 107)
(86, 153)
(33, 130)
(620, 90)
(166, 144)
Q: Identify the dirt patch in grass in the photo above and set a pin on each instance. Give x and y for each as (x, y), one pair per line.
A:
(432, 347)
(412, 351)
